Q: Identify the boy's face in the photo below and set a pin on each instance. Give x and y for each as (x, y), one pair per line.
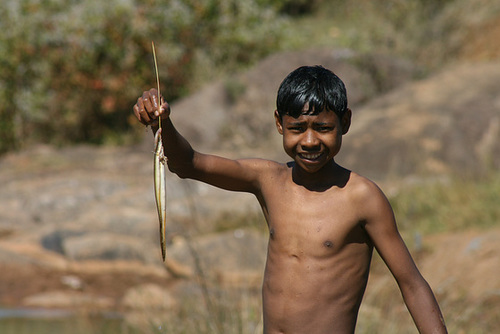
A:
(313, 140)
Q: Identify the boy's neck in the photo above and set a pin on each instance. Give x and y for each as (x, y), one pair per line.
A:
(331, 175)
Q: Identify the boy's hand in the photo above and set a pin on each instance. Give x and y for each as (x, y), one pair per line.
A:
(146, 108)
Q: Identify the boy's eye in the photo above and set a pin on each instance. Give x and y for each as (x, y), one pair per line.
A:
(324, 128)
(296, 128)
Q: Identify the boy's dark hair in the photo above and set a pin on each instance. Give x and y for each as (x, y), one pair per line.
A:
(315, 85)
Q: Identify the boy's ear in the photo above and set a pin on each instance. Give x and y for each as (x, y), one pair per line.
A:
(279, 124)
(346, 121)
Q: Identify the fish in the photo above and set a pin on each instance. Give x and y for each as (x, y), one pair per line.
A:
(159, 171)
(160, 191)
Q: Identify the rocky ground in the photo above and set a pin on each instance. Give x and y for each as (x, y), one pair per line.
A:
(78, 226)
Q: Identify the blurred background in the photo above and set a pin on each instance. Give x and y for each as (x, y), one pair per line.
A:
(79, 249)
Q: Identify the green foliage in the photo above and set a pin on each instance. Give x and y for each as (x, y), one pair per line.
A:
(419, 30)
(294, 7)
(71, 70)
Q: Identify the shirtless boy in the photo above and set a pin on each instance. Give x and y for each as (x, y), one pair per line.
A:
(324, 220)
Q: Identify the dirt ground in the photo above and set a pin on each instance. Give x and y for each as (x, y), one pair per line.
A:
(461, 267)
(18, 282)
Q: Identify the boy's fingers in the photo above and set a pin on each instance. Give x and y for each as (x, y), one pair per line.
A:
(141, 111)
(141, 115)
(146, 108)
(147, 100)
(154, 102)
(153, 92)
(136, 112)
(165, 109)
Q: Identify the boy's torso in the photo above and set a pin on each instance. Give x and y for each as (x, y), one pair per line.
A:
(318, 256)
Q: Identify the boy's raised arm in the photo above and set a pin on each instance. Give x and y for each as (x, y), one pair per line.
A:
(417, 294)
(182, 159)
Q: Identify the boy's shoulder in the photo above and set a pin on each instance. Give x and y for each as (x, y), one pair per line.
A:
(366, 197)
(264, 164)
(264, 168)
(361, 188)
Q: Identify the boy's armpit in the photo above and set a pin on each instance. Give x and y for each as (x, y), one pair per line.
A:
(367, 198)
(380, 224)
(375, 211)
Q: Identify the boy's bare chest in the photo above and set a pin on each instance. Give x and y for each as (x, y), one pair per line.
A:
(302, 219)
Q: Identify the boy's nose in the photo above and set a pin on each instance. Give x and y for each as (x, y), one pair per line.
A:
(309, 141)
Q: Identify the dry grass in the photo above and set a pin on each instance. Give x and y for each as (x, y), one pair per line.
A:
(454, 205)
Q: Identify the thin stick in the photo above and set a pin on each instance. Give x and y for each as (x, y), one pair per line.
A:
(157, 83)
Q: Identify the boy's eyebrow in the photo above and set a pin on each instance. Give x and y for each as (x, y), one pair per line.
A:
(323, 123)
(298, 123)
(295, 123)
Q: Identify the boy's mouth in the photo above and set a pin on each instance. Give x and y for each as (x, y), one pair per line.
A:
(310, 156)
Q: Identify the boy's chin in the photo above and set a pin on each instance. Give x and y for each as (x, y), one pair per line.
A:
(309, 168)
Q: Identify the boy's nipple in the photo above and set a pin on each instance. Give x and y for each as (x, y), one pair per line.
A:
(328, 244)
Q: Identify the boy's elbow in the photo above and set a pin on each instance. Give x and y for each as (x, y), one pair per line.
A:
(182, 171)
(182, 165)
(414, 287)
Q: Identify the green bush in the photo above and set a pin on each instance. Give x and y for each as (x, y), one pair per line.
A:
(71, 70)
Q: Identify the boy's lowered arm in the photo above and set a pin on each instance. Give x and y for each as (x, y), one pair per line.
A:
(417, 294)
(183, 160)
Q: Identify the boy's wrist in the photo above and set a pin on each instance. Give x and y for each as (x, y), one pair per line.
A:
(154, 127)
